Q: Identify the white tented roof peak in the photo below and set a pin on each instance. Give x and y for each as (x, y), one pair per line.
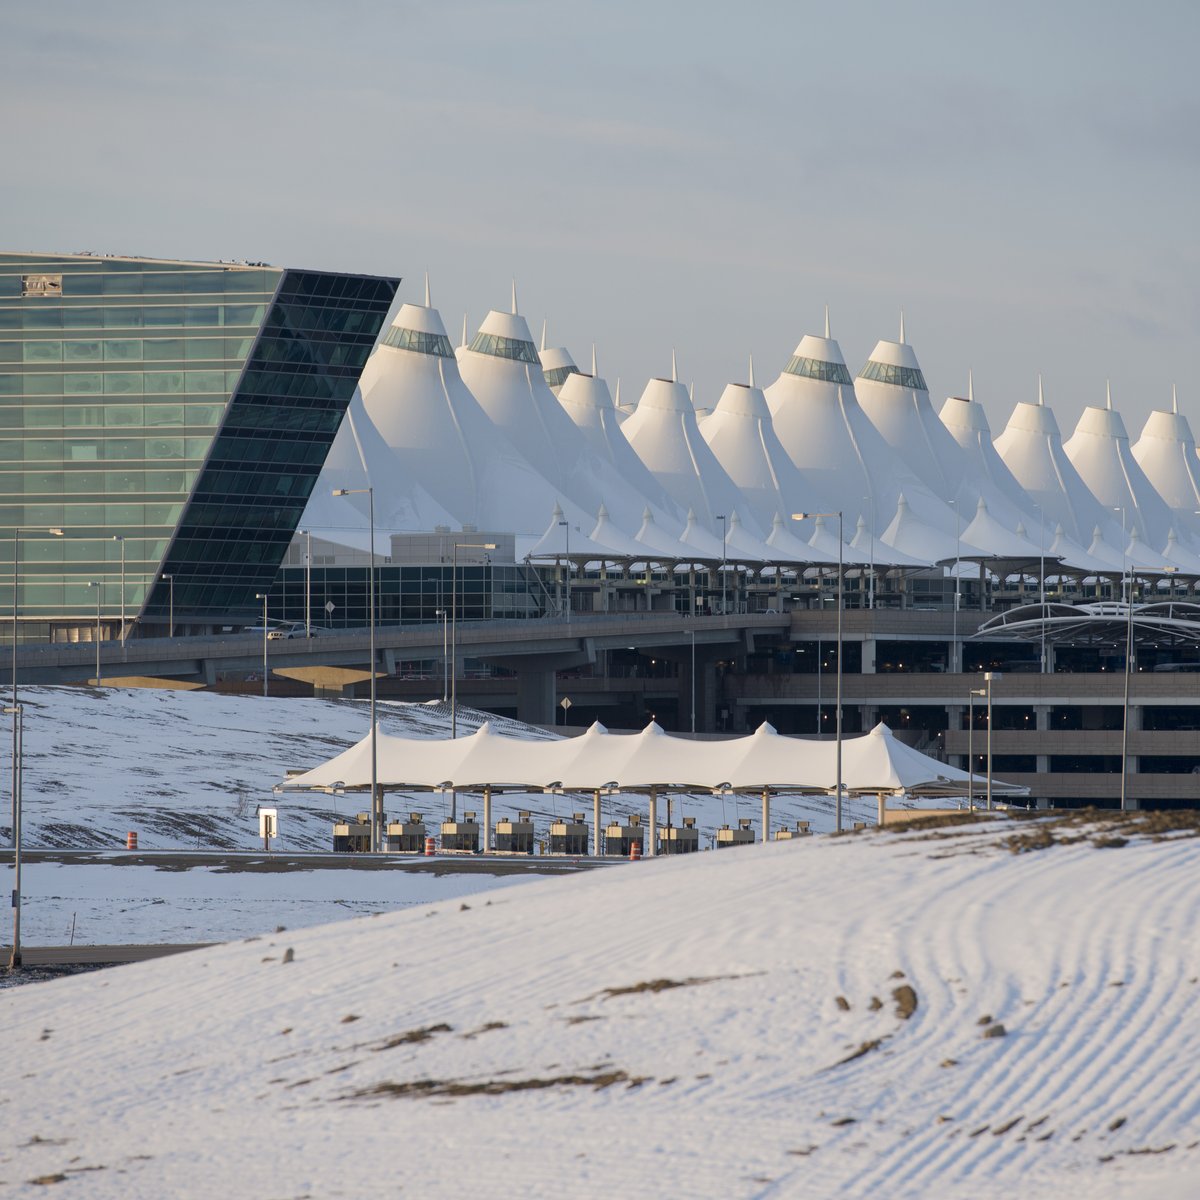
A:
(958, 413)
(739, 400)
(557, 356)
(822, 349)
(666, 394)
(420, 318)
(895, 354)
(1102, 422)
(1033, 418)
(507, 325)
(585, 391)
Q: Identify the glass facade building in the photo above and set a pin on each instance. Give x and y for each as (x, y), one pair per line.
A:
(171, 419)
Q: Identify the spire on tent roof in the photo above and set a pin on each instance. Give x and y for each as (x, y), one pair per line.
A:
(1174, 400)
(827, 322)
(464, 336)
(692, 393)
(674, 368)
(1108, 394)
(427, 304)
(751, 370)
(593, 360)
(1041, 395)
(902, 327)
(970, 384)
(542, 347)
(514, 296)
(617, 394)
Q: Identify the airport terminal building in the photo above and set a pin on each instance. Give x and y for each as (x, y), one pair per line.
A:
(170, 419)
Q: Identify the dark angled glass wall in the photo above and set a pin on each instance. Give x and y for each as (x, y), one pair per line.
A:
(300, 377)
(115, 375)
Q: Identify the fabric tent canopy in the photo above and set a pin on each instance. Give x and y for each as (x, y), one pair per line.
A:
(872, 763)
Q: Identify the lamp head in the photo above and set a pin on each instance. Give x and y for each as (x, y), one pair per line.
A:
(340, 492)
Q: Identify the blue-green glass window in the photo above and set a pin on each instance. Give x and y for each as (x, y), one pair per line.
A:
(815, 368)
(43, 351)
(420, 343)
(82, 351)
(502, 347)
(905, 377)
(558, 375)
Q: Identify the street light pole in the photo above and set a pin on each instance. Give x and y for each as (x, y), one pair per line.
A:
(308, 582)
(53, 531)
(988, 677)
(171, 607)
(1128, 598)
(971, 745)
(120, 537)
(566, 525)
(840, 604)
(441, 612)
(724, 532)
(376, 797)
(96, 584)
(263, 597)
(15, 711)
(454, 645)
(693, 633)
(954, 664)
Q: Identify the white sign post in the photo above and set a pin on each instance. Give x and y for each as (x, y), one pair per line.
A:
(268, 826)
(565, 704)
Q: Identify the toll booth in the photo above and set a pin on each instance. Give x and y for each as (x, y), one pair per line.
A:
(461, 836)
(569, 837)
(353, 837)
(406, 837)
(619, 839)
(679, 839)
(515, 837)
(786, 835)
(743, 835)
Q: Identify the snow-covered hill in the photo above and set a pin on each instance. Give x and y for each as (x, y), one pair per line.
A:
(187, 770)
(925, 1014)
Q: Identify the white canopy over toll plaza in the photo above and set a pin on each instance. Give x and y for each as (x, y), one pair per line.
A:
(650, 762)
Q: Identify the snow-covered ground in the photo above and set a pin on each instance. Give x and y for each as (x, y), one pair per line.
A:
(814, 1019)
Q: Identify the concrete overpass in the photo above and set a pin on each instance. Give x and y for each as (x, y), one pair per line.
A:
(534, 650)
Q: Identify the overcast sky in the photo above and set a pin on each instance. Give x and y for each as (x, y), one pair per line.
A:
(1020, 178)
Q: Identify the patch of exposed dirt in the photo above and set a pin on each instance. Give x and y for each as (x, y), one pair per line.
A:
(906, 1001)
(430, 1088)
(413, 1036)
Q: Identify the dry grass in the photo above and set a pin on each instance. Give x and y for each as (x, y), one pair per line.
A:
(430, 1088)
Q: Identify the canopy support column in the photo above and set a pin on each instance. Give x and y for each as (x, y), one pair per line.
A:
(487, 818)
(881, 814)
(596, 821)
(766, 815)
(653, 849)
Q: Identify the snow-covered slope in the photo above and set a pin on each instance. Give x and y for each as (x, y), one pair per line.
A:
(887, 1015)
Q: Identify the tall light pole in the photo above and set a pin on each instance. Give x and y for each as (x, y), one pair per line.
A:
(441, 612)
(871, 498)
(120, 537)
(14, 711)
(308, 581)
(566, 525)
(957, 574)
(454, 645)
(724, 532)
(171, 607)
(263, 597)
(376, 797)
(988, 678)
(1128, 662)
(53, 531)
(99, 587)
(840, 597)
(693, 633)
(971, 744)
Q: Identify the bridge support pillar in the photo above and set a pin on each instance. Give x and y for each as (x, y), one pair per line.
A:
(535, 696)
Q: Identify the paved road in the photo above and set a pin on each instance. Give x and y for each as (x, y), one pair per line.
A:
(226, 862)
(78, 956)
